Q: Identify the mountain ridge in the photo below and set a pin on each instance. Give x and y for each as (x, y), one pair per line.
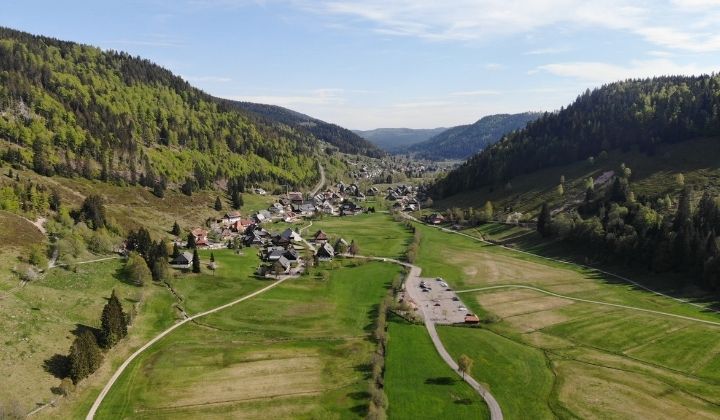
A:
(463, 141)
(393, 139)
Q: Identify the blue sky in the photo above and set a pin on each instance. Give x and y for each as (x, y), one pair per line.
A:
(394, 63)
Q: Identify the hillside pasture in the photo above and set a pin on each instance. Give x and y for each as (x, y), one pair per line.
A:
(603, 361)
(300, 350)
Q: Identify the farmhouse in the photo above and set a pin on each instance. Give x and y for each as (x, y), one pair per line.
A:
(320, 237)
(201, 238)
(231, 217)
(295, 197)
(184, 260)
(325, 252)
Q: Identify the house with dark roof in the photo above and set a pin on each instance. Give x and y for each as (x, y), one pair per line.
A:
(325, 252)
(284, 263)
(184, 260)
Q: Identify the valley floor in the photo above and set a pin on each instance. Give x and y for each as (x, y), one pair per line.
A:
(304, 349)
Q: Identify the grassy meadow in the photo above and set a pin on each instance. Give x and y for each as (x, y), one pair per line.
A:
(376, 234)
(300, 350)
(578, 359)
(419, 384)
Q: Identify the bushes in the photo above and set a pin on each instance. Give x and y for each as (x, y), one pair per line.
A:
(378, 399)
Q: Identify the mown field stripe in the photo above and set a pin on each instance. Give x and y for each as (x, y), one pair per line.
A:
(596, 302)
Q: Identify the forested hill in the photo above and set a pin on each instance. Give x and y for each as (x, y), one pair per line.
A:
(345, 140)
(394, 139)
(464, 141)
(73, 109)
(633, 114)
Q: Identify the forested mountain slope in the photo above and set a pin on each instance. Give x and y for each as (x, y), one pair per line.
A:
(633, 114)
(344, 139)
(464, 141)
(628, 174)
(75, 110)
(394, 139)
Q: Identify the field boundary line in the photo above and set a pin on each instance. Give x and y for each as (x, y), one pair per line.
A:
(126, 363)
(596, 302)
(569, 263)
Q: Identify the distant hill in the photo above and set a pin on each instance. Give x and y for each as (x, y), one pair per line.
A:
(629, 115)
(464, 141)
(627, 174)
(393, 139)
(74, 110)
(345, 140)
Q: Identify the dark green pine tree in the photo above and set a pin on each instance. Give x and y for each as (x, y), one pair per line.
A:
(196, 262)
(544, 221)
(212, 257)
(218, 204)
(237, 200)
(191, 241)
(85, 356)
(176, 251)
(176, 229)
(114, 322)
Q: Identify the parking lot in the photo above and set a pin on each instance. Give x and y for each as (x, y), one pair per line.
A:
(443, 306)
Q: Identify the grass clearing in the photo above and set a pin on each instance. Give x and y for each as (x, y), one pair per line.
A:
(303, 347)
(517, 375)
(376, 235)
(39, 320)
(419, 384)
(607, 362)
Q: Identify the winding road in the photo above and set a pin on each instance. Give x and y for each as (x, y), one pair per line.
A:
(126, 363)
(415, 271)
(320, 183)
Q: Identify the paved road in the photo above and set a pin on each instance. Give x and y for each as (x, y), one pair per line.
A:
(415, 271)
(320, 183)
(126, 363)
(595, 302)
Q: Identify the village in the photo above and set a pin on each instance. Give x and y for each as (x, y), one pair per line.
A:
(285, 251)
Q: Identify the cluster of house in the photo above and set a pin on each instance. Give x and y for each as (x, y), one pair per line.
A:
(405, 197)
(280, 252)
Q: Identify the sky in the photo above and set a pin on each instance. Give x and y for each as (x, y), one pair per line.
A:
(366, 64)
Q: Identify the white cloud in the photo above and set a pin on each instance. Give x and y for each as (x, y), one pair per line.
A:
(597, 72)
(547, 51)
(689, 25)
(494, 66)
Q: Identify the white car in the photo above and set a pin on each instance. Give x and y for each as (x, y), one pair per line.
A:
(462, 308)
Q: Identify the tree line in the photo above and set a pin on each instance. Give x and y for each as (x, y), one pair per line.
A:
(627, 115)
(655, 233)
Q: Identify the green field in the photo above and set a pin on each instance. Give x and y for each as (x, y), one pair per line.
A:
(517, 375)
(420, 385)
(376, 234)
(234, 277)
(579, 359)
(300, 350)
